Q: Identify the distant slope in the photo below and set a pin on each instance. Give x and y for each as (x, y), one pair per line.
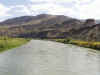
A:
(35, 19)
(51, 26)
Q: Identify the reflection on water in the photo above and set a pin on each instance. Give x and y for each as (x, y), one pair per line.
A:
(49, 58)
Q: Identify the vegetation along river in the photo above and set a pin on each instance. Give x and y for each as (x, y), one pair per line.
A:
(50, 58)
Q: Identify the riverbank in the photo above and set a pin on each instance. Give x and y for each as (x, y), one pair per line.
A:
(9, 43)
(87, 44)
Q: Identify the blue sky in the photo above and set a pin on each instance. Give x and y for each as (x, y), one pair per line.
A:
(82, 9)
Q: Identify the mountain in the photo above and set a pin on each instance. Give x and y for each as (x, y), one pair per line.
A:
(51, 26)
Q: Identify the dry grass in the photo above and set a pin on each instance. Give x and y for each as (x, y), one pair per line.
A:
(88, 44)
(8, 43)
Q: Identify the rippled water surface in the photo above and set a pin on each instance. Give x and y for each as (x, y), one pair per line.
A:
(49, 58)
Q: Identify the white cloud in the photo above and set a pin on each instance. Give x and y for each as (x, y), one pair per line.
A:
(4, 10)
(74, 8)
(21, 9)
(81, 8)
(52, 1)
(90, 11)
(52, 7)
(83, 1)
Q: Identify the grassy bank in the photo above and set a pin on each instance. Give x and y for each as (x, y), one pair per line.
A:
(8, 43)
(88, 44)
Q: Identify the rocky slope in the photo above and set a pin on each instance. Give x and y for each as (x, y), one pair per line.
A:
(51, 26)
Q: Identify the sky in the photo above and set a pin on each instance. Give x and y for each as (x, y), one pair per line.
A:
(81, 9)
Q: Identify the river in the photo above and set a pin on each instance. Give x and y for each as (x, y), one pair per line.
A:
(49, 58)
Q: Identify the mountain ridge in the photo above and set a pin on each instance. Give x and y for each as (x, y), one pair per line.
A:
(51, 26)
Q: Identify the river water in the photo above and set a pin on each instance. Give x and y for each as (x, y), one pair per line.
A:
(50, 58)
